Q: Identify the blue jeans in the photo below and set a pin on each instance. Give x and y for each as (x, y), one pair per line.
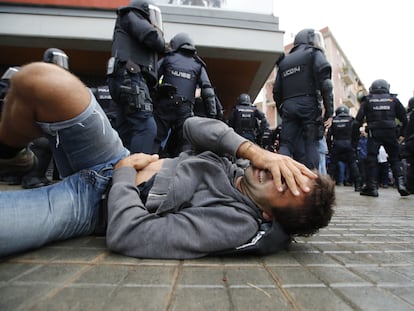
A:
(85, 150)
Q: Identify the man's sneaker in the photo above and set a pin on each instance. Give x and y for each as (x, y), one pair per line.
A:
(19, 165)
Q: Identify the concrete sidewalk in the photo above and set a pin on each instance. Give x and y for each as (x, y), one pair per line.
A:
(364, 260)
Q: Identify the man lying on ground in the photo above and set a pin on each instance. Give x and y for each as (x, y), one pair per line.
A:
(191, 206)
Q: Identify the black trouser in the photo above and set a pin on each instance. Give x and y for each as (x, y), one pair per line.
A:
(343, 151)
(170, 117)
(388, 139)
(135, 125)
(300, 128)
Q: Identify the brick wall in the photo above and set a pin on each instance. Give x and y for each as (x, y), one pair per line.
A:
(109, 4)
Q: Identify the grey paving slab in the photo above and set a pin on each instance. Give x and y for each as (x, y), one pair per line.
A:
(364, 260)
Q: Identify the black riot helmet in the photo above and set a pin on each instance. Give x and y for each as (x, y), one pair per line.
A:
(182, 41)
(244, 99)
(149, 10)
(342, 111)
(311, 37)
(379, 86)
(9, 73)
(56, 56)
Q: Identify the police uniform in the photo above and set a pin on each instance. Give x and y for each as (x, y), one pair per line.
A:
(201, 109)
(247, 120)
(104, 98)
(409, 148)
(342, 140)
(302, 82)
(180, 73)
(380, 109)
(268, 139)
(132, 73)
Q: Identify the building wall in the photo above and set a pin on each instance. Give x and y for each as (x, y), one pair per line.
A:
(235, 65)
(108, 4)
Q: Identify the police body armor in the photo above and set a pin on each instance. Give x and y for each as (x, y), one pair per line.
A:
(125, 48)
(245, 120)
(185, 80)
(380, 111)
(342, 127)
(104, 99)
(297, 72)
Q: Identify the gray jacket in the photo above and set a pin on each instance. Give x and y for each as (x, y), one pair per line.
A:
(193, 208)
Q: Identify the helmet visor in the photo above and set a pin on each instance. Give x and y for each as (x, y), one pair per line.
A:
(155, 16)
(318, 40)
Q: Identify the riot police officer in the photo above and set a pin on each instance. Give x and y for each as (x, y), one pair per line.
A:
(303, 76)
(268, 139)
(180, 72)
(103, 96)
(380, 109)
(247, 120)
(201, 108)
(132, 72)
(410, 107)
(409, 147)
(342, 140)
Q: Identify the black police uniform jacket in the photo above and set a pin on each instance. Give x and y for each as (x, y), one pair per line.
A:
(381, 110)
(302, 73)
(136, 40)
(185, 72)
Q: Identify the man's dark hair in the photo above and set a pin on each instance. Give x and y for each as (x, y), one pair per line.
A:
(315, 213)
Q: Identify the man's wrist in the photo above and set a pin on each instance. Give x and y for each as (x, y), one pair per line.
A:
(243, 151)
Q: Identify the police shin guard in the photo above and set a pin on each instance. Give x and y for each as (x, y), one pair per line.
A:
(397, 171)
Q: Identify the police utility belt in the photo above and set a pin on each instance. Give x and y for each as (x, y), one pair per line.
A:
(169, 92)
(176, 99)
(115, 64)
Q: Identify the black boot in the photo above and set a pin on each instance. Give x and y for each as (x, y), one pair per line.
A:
(410, 175)
(358, 185)
(370, 188)
(402, 189)
(37, 175)
(356, 177)
(398, 172)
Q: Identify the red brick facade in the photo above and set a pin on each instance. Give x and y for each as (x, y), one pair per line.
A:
(106, 4)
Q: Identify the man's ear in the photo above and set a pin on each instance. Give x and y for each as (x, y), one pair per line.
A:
(267, 216)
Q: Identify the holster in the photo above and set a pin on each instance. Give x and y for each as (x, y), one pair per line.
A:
(132, 97)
